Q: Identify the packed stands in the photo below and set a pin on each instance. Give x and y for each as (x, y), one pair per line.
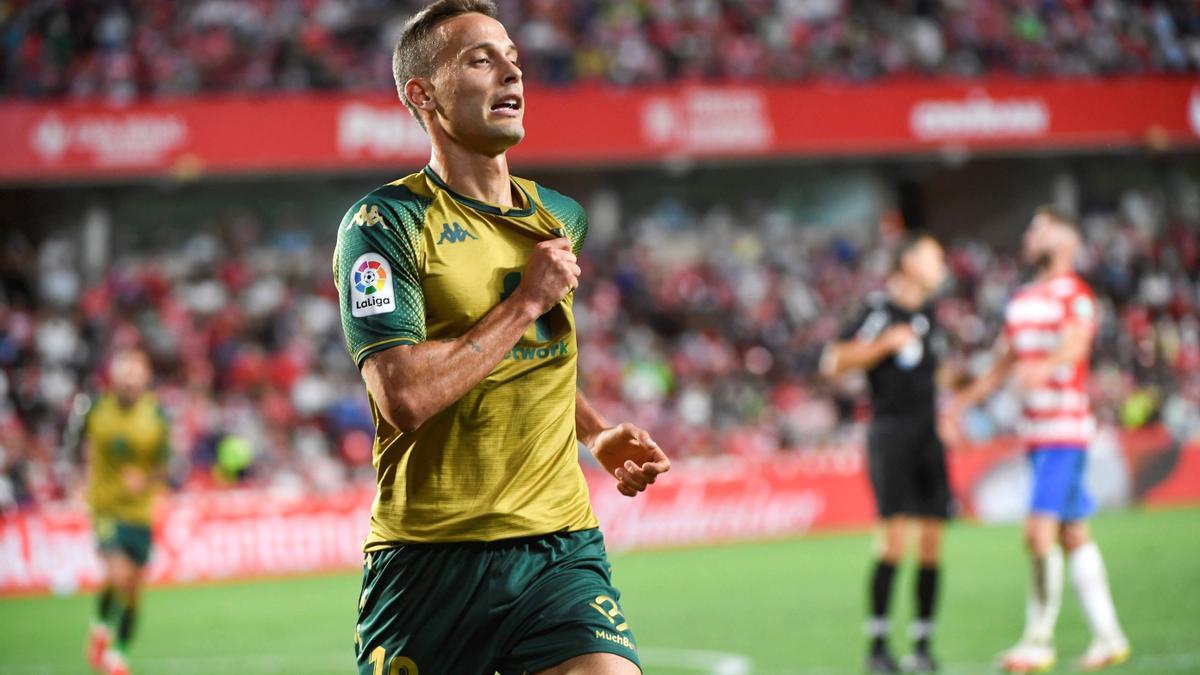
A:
(703, 324)
(161, 48)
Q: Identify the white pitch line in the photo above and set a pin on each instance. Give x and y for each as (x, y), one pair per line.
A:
(709, 662)
(1156, 663)
(702, 661)
(313, 664)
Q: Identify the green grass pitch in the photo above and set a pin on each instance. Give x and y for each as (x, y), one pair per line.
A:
(771, 608)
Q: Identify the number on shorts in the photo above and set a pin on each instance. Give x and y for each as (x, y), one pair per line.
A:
(610, 610)
(400, 665)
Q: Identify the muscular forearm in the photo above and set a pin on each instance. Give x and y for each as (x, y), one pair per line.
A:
(843, 357)
(412, 383)
(982, 386)
(588, 421)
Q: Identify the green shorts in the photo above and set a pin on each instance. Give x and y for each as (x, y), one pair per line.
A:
(513, 606)
(131, 539)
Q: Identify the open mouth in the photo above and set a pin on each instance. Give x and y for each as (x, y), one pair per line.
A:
(507, 104)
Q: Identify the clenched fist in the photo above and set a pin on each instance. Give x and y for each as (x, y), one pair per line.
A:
(552, 273)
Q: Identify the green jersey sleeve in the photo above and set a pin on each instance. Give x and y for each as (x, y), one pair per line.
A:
(377, 271)
(568, 212)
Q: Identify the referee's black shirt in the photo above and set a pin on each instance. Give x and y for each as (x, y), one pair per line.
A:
(902, 385)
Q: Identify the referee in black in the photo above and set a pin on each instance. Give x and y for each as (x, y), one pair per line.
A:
(893, 339)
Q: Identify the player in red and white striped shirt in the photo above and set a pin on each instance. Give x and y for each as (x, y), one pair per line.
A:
(1040, 318)
(1049, 328)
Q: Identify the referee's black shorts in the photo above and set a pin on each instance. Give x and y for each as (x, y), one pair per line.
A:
(907, 463)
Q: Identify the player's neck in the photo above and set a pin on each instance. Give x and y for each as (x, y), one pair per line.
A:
(481, 177)
(905, 293)
(1056, 269)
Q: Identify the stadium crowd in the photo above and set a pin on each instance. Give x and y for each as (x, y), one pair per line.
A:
(711, 341)
(134, 48)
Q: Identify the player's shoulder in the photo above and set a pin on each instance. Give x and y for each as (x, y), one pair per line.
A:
(559, 205)
(876, 302)
(1078, 286)
(99, 408)
(154, 403)
(1070, 288)
(399, 205)
(1062, 285)
(1027, 289)
(870, 318)
(97, 402)
(1077, 295)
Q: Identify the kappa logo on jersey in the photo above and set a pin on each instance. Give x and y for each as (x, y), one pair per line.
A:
(371, 286)
(453, 234)
(368, 217)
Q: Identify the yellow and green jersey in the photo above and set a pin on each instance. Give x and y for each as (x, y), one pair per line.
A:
(417, 261)
(122, 436)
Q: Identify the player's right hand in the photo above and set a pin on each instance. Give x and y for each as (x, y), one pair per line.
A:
(894, 338)
(552, 273)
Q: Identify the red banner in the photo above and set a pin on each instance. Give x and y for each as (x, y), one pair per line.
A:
(244, 534)
(597, 126)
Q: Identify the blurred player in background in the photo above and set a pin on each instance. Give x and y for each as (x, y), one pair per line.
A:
(456, 292)
(1046, 345)
(126, 436)
(894, 340)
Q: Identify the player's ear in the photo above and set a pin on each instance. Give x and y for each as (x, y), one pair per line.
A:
(419, 92)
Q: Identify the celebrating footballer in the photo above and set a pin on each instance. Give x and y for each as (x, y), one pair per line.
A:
(456, 286)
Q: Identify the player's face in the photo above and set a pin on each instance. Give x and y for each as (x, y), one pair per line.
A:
(1038, 244)
(927, 264)
(478, 87)
(130, 375)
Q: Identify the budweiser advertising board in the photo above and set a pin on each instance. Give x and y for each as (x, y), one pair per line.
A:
(601, 126)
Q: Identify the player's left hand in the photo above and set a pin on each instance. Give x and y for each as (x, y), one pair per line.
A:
(136, 481)
(631, 456)
(950, 427)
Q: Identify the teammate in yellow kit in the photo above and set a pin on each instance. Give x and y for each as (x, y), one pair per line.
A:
(456, 287)
(127, 436)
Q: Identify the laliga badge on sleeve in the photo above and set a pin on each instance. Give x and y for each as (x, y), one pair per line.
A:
(371, 286)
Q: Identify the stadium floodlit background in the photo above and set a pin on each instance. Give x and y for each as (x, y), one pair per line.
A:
(172, 175)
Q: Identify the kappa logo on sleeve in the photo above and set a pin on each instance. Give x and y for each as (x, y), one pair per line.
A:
(371, 286)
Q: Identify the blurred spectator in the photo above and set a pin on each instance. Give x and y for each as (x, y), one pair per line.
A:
(133, 48)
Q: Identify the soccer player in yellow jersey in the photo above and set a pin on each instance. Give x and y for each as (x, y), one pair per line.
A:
(456, 293)
(127, 438)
